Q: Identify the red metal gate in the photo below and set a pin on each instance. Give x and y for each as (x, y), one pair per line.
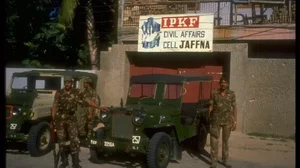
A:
(193, 91)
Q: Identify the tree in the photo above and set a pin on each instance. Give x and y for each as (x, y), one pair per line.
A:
(66, 17)
(24, 19)
(54, 46)
(35, 39)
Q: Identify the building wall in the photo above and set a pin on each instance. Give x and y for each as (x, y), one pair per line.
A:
(264, 85)
(270, 95)
(114, 75)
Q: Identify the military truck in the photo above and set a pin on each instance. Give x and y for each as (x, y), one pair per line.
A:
(28, 103)
(154, 121)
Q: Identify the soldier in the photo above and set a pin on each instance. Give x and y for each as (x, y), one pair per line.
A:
(63, 113)
(223, 115)
(87, 114)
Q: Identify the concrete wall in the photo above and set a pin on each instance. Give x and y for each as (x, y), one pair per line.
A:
(265, 87)
(114, 81)
(270, 105)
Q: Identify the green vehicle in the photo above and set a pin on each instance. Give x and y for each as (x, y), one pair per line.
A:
(154, 122)
(28, 103)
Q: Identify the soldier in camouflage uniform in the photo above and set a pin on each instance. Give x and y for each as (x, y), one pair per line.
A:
(88, 113)
(223, 115)
(63, 113)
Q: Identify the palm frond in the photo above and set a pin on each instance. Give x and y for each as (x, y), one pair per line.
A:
(67, 12)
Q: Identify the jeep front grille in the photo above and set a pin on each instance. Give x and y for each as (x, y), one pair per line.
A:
(122, 126)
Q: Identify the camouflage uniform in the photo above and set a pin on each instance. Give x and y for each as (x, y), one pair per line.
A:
(65, 119)
(89, 94)
(66, 122)
(221, 117)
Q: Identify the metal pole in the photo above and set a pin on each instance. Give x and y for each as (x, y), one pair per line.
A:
(253, 13)
(261, 12)
(235, 14)
(219, 14)
(290, 11)
(195, 6)
(231, 14)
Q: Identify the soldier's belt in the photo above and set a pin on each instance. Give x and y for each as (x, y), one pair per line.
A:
(67, 113)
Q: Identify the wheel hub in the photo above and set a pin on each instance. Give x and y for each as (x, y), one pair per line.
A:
(44, 140)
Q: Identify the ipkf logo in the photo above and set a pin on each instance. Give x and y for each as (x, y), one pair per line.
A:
(151, 33)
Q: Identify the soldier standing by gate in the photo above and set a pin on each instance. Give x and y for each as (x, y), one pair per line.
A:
(63, 113)
(223, 115)
(87, 114)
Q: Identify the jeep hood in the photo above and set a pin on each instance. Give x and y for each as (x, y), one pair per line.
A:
(136, 106)
(148, 108)
(20, 99)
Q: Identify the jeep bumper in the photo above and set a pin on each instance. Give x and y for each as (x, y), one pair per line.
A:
(136, 145)
(16, 136)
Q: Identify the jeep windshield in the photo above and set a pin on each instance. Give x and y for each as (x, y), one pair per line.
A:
(167, 94)
(42, 84)
(143, 93)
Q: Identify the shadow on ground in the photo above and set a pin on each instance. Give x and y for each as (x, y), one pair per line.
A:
(202, 154)
(140, 161)
(122, 160)
(16, 148)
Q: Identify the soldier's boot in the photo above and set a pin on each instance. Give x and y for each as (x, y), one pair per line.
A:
(214, 165)
(75, 160)
(64, 159)
(225, 163)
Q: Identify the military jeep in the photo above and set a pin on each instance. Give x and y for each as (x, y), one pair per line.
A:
(154, 122)
(28, 103)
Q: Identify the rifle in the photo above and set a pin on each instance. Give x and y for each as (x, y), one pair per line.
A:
(56, 152)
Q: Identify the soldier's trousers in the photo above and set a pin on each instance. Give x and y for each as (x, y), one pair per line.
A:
(90, 125)
(66, 129)
(214, 141)
(83, 121)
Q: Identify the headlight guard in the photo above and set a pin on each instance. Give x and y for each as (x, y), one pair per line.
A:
(138, 117)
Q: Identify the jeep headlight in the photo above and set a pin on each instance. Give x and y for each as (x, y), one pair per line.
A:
(138, 117)
(105, 116)
(17, 111)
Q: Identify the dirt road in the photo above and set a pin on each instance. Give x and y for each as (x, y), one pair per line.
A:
(245, 152)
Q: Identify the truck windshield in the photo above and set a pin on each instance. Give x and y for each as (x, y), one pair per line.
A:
(36, 83)
(142, 90)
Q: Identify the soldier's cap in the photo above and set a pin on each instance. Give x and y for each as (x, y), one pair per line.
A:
(88, 80)
(68, 78)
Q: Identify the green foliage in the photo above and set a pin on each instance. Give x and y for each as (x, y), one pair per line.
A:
(67, 12)
(83, 56)
(53, 46)
(33, 40)
(24, 19)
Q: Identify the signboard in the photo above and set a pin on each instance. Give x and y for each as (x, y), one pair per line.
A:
(176, 33)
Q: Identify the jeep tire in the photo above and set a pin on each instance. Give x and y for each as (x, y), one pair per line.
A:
(95, 156)
(39, 139)
(159, 151)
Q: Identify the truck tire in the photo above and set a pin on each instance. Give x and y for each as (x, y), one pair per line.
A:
(39, 139)
(159, 151)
